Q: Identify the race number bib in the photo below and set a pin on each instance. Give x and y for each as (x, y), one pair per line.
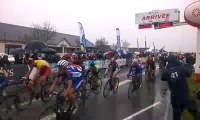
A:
(76, 74)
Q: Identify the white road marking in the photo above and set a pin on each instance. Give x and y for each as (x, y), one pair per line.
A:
(124, 82)
(141, 111)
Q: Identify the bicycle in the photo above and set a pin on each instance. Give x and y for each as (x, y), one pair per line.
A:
(93, 84)
(111, 85)
(134, 85)
(62, 109)
(150, 77)
(9, 102)
(32, 93)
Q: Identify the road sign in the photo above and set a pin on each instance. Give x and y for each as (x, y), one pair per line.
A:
(168, 24)
(145, 26)
(163, 25)
(168, 15)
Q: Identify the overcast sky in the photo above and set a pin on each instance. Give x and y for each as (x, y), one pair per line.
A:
(101, 18)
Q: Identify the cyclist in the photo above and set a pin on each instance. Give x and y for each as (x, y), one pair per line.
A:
(150, 63)
(94, 70)
(136, 70)
(72, 74)
(43, 70)
(115, 67)
(77, 61)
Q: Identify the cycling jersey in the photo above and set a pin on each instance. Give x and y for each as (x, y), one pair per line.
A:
(44, 67)
(94, 70)
(136, 69)
(151, 63)
(41, 63)
(74, 73)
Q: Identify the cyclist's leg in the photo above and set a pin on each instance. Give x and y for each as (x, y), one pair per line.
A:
(117, 70)
(44, 73)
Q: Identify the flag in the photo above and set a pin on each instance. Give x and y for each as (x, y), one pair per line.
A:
(162, 50)
(118, 38)
(82, 38)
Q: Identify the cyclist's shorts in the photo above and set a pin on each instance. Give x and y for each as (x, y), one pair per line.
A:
(76, 82)
(45, 71)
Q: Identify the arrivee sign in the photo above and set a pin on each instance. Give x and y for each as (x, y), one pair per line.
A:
(169, 15)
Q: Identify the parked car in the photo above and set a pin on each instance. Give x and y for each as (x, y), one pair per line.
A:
(10, 57)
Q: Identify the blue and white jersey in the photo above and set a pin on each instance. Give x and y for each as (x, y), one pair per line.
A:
(75, 71)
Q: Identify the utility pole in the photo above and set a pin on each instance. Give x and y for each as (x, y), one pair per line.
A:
(154, 48)
(145, 43)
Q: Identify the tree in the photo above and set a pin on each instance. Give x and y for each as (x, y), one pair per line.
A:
(101, 44)
(43, 32)
(125, 45)
(114, 46)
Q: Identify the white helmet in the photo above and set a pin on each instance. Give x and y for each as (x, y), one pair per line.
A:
(62, 63)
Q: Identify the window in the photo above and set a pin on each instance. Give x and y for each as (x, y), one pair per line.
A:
(9, 48)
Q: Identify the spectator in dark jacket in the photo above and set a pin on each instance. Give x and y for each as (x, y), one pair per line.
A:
(176, 76)
(4, 61)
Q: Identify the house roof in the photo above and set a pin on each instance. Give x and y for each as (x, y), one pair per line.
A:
(15, 32)
(12, 32)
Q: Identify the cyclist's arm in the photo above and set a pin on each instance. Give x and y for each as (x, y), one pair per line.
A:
(55, 82)
(69, 88)
(130, 70)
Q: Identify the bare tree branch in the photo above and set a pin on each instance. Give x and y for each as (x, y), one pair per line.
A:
(101, 44)
(43, 32)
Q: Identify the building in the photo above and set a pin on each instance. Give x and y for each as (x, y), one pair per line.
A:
(138, 50)
(12, 36)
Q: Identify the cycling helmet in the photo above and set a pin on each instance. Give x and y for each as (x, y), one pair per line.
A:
(92, 64)
(62, 63)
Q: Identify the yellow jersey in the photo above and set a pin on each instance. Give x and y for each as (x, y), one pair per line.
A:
(40, 63)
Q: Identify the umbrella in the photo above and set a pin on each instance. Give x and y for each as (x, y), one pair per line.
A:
(79, 52)
(108, 53)
(18, 51)
(122, 52)
(137, 53)
(49, 51)
(35, 45)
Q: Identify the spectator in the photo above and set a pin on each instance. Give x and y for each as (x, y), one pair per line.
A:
(18, 59)
(175, 75)
(4, 61)
(26, 58)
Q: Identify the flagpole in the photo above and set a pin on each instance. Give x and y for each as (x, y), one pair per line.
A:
(137, 44)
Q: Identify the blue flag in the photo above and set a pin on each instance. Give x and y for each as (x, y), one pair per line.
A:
(82, 38)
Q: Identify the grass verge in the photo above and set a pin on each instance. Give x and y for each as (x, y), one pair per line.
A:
(193, 85)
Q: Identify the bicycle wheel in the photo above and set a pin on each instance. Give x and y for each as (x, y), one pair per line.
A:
(24, 98)
(45, 95)
(131, 90)
(48, 114)
(116, 85)
(106, 90)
